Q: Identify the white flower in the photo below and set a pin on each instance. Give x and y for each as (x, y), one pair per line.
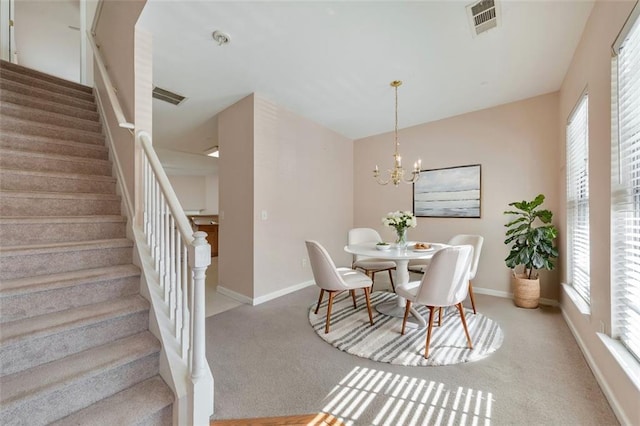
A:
(400, 220)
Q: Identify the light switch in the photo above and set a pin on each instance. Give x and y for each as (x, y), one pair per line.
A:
(263, 215)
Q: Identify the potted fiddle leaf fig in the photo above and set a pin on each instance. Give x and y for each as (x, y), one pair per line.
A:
(532, 246)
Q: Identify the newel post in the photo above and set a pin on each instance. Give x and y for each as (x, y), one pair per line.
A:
(202, 382)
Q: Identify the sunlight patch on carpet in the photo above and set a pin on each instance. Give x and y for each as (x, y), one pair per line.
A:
(406, 400)
(351, 332)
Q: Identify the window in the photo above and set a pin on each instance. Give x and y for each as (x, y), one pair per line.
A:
(625, 203)
(578, 198)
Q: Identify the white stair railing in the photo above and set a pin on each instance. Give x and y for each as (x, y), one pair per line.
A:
(173, 261)
(180, 258)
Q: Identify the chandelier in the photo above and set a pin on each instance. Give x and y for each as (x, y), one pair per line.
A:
(396, 175)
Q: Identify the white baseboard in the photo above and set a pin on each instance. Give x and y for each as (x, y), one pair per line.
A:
(258, 300)
(606, 389)
(507, 295)
(234, 295)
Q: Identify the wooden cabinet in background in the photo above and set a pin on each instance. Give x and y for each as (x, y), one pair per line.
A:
(208, 224)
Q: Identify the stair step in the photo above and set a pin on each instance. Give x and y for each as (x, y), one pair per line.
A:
(48, 117)
(19, 180)
(28, 127)
(15, 203)
(32, 296)
(25, 261)
(49, 86)
(46, 105)
(37, 340)
(5, 65)
(43, 144)
(57, 389)
(44, 162)
(147, 403)
(23, 89)
(45, 230)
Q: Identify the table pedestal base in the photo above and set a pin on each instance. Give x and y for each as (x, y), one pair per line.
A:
(395, 308)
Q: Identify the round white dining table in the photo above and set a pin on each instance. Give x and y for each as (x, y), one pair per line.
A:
(401, 257)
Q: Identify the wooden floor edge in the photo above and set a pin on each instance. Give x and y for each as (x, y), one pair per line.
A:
(319, 419)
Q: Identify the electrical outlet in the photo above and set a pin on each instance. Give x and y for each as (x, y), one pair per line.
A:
(304, 262)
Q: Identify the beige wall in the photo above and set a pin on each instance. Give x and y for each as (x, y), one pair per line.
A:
(304, 183)
(235, 235)
(591, 69)
(196, 192)
(296, 172)
(115, 33)
(516, 145)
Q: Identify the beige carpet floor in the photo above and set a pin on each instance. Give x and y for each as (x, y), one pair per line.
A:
(214, 301)
(267, 361)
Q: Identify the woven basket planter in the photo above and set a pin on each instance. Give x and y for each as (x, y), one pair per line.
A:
(526, 293)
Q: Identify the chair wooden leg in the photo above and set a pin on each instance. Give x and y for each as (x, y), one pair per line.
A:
(353, 297)
(366, 296)
(440, 316)
(371, 275)
(319, 300)
(326, 327)
(391, 279)
(464, 324)
(426, 347)
(406, 315)
(473, 300)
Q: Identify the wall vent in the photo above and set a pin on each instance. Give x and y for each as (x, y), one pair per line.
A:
(167, 96)
(483, 15)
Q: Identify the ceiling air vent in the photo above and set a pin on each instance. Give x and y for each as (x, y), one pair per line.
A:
(483, 16)
(167, 96)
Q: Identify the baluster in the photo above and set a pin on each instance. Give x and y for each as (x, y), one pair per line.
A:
(156, 227)
(165, 252)
(178, 275)
(172, 271)
(186, 314)
(147, 200)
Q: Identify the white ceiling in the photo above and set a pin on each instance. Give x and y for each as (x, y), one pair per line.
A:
(332, 62)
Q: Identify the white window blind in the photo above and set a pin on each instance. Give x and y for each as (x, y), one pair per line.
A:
(578, 198)
(626, 187)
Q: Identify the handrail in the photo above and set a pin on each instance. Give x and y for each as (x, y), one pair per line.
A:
(113, 98)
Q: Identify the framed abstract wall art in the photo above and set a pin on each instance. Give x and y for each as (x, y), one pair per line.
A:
(448, 192)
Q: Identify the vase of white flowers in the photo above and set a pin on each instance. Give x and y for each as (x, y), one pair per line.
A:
(400, 221)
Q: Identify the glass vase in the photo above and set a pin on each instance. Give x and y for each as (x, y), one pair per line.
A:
(401, 238)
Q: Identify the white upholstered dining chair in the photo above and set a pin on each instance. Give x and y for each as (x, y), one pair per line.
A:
(335, 280)
(444, 283)
(369, 265)
(457, 240)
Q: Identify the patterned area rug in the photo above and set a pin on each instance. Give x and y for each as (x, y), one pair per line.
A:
(351, 332)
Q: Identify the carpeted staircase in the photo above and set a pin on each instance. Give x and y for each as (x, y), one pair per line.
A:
(74, 341)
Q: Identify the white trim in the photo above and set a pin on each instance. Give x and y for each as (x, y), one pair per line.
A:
(507, 295)
(234, 295)
(627, 362)
(258, 300)
(628, 24)
(619, 412)
(284, 291)
(577, 300)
